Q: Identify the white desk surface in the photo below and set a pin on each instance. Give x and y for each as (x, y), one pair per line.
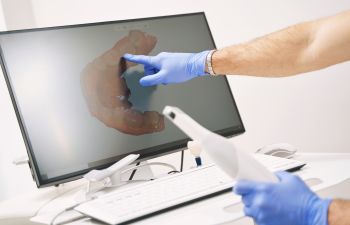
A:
(331, 167)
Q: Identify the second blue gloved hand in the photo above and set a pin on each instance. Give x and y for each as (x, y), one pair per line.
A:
(167, 68)
(289, 202)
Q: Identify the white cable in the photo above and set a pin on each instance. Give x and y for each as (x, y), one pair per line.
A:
(69, 209)
(62, 212)
(57, 196)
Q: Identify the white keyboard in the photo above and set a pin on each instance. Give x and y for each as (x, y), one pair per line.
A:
(168, 192)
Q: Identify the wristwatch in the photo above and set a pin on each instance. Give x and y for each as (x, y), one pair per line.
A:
(209, 63)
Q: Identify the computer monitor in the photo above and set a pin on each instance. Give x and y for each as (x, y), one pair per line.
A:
(81, 107)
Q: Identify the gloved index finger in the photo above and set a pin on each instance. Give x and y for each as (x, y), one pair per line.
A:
(140, 59)
(244, 187)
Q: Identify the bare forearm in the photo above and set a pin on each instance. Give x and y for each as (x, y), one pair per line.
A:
(339, 212)
(276, 54)
(300, 48)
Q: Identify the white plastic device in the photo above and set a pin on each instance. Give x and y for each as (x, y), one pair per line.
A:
(21, 160)
(237, 164)
(111, 176)
(283, 150)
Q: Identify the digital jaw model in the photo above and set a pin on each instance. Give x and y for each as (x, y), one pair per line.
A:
(237, 164)
(106, 92)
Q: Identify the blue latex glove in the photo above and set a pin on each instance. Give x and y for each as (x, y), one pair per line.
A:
(167, 68)
(288, 202)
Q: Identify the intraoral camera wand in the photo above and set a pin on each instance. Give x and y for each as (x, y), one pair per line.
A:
(237, 164)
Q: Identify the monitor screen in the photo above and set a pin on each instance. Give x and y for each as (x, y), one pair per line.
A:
(81, 107)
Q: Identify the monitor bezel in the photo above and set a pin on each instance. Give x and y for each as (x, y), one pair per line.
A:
(150, 153)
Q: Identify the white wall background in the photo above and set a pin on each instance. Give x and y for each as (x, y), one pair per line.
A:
(310, 111)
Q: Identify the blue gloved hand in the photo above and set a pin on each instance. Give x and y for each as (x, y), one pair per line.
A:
(167, 68)
(289, 202)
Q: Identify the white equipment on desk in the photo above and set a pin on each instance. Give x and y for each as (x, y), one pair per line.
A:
(111, 176)
(169, 192)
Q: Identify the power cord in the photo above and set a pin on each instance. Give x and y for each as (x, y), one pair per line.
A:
(182, 160)
(133, 172)
(150, 164)
(174, 170)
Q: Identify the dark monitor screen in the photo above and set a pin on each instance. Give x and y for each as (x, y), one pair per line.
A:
(81, 107)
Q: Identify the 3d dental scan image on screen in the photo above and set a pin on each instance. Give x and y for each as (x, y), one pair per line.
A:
(130, 113)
